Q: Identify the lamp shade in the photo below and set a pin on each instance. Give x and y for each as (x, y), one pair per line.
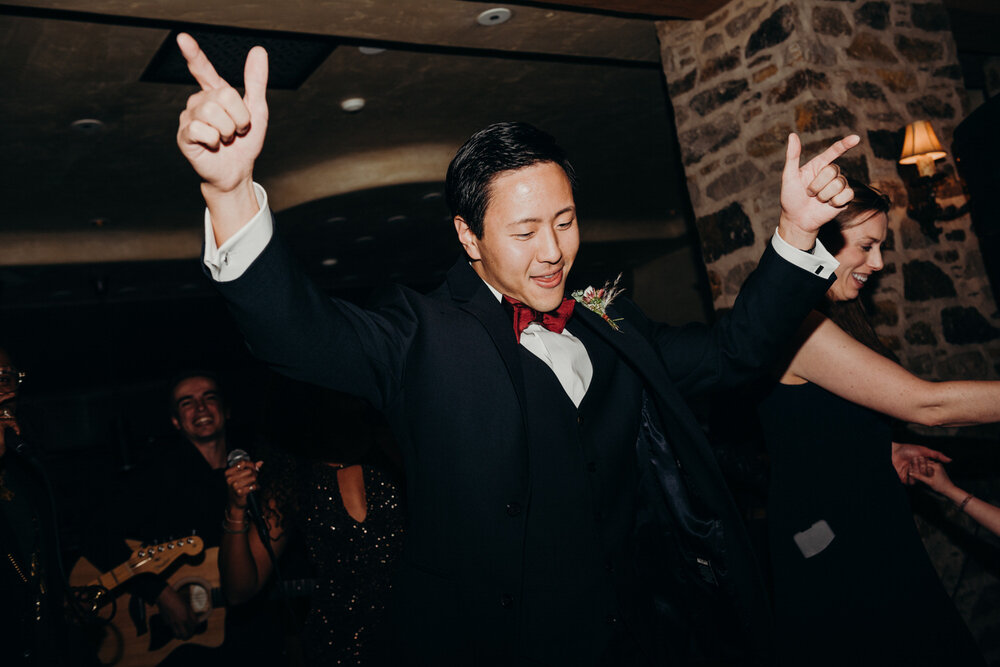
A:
(920, 142)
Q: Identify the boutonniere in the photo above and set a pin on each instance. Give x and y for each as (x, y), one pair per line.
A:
(598, 300)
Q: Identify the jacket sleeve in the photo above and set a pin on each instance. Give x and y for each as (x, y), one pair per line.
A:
(290, 324)
(744, 342)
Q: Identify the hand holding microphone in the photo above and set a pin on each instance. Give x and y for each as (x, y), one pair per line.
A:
(241, 478)
(10, 431)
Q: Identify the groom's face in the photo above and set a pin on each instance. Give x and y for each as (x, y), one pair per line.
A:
(530, 235)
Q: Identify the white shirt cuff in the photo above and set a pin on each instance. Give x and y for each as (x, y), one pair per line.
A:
(229, 261)
(818, 262)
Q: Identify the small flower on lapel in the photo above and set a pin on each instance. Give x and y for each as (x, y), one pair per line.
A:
(598, 300)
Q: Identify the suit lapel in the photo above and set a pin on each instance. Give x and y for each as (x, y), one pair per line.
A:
(642, 357)
(627, 342)
(472, 295)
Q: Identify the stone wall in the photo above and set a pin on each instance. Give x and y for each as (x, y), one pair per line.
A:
(754, 71)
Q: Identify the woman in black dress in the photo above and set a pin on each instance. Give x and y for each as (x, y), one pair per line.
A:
(852, 581)
(348, 512)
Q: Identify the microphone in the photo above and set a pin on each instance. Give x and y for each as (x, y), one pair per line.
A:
(16, 442)
(236, 456)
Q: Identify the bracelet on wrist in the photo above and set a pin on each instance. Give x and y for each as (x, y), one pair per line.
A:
(228, 531)
(961, 505)
(229, 517)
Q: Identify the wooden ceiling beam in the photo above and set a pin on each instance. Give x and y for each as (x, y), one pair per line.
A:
(655, 9)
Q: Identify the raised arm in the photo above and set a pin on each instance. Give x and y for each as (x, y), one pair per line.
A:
(777, 296)
(221, 134)
(832, 359)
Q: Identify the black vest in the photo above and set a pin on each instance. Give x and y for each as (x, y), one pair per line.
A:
(579, 597)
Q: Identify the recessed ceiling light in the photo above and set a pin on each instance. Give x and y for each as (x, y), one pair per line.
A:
(87, 125)
(430, 196)
(370, 50)
(364, 239)
(336, 219)
(353, 104)
(330, 261)
(494, 16)
(396, 218)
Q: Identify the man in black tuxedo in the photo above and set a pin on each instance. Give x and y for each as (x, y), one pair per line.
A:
(564, 506)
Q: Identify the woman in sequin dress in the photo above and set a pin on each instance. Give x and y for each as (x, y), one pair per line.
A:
(351, 519)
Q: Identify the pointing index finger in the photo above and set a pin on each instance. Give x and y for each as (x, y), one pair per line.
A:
(834, 152)
(199, 65)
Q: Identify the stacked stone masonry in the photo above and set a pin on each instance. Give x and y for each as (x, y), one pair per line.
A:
(755, 70)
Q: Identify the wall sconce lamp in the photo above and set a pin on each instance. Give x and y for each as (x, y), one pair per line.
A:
(921, 147)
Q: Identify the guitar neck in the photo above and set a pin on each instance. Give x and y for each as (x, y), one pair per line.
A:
(115, 577)
(119, 575)
(152, 559)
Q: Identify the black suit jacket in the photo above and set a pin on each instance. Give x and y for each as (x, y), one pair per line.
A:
(445, 369)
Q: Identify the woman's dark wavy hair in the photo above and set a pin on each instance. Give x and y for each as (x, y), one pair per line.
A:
(867, 202)
(850, 315)
(495, 149)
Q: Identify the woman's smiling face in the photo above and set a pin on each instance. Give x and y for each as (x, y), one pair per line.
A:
(860, 257)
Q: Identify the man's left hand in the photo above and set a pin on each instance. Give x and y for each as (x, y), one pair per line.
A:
(812, 194)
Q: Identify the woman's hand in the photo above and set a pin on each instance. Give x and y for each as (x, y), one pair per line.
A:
(933, 475)
(904, 457)
(241, 479)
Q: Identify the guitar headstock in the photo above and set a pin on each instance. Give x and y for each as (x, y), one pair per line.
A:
(157, 557)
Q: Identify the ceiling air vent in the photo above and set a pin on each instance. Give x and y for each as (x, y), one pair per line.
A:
(291, 58)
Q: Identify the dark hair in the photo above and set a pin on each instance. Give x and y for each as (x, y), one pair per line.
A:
(495, 149)
(866, 200)
(10, 355)
(187, 374)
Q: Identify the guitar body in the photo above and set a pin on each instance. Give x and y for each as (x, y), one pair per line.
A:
(135, 634)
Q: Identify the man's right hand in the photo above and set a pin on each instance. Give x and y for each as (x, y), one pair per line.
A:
(7, 420)
(221, 134)
(177, 613)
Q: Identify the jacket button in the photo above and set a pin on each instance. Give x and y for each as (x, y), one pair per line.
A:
(612, 619)
(513, 509)
(506, 600)
(579, 419)
(592, 466)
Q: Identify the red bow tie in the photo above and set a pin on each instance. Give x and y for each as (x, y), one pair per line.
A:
(523, 315)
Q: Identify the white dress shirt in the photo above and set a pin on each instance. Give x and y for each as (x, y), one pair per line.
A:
(562, 352)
